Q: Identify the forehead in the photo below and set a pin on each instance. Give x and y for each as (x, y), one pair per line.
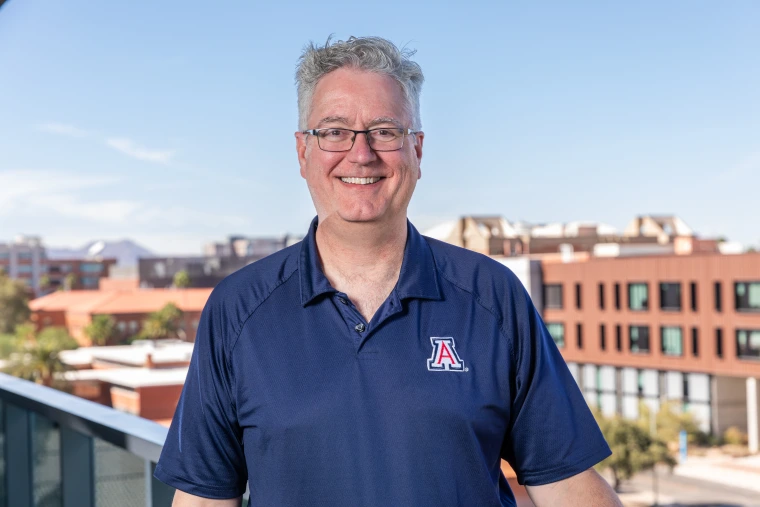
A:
(358, 96)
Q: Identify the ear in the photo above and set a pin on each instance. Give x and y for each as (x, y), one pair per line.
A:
(301, 139)
(419, 138)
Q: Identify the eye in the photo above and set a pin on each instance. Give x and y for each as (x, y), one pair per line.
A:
(385, 134)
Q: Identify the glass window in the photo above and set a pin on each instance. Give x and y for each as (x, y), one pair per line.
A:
(601, 296)
(719, 342)
(579, 334)
(602, 337)
(747, 296)
(670, 296)
(90, 282)
(638, 296)
(578, 296)
(121, 326)
(718, 297)
(639, 338)
(5, 255)
(619, 337)
(553, 296)
(693, 289)
(557, 330)
(24, 268)
(617, 296)
(672, 340)
(25, 256)
(748, 343)
(91, 267)
(695, 342)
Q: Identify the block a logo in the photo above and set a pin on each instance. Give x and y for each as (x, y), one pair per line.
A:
(445, 357)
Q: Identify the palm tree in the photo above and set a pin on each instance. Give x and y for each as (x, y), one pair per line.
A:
(165, 323)
(36, 357)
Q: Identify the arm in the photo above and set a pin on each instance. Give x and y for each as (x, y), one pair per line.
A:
(587, 489)
(182, 499)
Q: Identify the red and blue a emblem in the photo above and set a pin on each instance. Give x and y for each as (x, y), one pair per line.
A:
(445, 357)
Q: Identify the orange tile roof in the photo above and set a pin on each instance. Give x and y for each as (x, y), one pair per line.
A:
(122, 301)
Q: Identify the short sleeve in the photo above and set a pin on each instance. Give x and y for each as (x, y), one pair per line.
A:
(203, 454)
(553, 434)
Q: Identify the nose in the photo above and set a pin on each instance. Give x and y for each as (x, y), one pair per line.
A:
(361, 153)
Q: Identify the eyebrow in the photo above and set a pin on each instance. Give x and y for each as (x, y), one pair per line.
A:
(344, 121)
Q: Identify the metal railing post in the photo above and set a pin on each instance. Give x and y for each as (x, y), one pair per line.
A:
(19, 467)
(77, 469)
(157, 494)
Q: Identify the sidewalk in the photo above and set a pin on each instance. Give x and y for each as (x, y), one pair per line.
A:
(734, 472)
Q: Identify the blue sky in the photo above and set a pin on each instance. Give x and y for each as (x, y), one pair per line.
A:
(172, 122)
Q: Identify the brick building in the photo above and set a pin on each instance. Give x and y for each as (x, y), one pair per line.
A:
(74, 310)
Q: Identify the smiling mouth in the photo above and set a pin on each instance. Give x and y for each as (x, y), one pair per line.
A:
(361, 181)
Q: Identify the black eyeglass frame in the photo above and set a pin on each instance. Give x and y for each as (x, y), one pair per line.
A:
(405, 132)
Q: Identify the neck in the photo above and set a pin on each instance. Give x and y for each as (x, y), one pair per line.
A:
(361, 251)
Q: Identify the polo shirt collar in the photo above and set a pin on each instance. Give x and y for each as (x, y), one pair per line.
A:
(418, 277)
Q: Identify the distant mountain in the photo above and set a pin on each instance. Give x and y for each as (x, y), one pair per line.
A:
(126, 252)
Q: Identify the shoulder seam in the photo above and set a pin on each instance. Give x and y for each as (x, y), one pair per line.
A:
(497, 316)
(256, 307)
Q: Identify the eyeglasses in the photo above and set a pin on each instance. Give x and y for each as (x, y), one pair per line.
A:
(379, 139)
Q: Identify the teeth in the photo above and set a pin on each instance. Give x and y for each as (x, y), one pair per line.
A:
(360, 181)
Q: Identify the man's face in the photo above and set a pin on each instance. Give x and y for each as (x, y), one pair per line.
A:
(359, 100)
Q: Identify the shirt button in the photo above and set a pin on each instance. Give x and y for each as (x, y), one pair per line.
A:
(359, 327)
(343, 300)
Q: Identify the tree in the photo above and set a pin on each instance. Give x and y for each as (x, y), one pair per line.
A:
(101, 330)
(633, 448)
(164, 323)
(70, 281)
(181, 279)
(36, 357)
(44, 282)
(670, 420)
(14, 304)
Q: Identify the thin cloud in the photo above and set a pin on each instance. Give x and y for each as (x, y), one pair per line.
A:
(64, 130)
(131, 148)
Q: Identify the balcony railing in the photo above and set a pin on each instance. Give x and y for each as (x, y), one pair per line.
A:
(58, 450)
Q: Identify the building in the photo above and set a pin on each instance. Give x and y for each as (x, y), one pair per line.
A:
(658, 328)
(75, 310)
(25, 259)
(220, 260)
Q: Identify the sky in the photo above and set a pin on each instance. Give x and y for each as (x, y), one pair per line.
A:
(171, 122)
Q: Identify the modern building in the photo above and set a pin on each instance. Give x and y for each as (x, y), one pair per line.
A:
(74, 310)
(658, 328)
(25, 260)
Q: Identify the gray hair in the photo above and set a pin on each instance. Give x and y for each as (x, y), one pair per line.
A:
(372, 54)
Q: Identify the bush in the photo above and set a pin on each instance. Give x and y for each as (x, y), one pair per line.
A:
(734, 436)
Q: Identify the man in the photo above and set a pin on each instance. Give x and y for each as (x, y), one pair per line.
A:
(369, 365)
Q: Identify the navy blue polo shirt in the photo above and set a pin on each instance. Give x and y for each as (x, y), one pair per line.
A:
(293, 391)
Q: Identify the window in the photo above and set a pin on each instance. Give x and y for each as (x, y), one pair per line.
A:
(638, 296)
(601, 296)
(602, 337)
(24, 268)
(578, 296)
(672, 340)
(617, 296)
(695, 342)
(122, 327)
(747, 296)
(553, 296)
(579, 334)
(619, 338)
(693, 290)
(718, 302)
(639, 338)
(133, 325)
(91, 267)
(25, 256)
(748, 343)
(719, 342)
(557, 330)
(5, 255)
(670, 296)
(90, 281)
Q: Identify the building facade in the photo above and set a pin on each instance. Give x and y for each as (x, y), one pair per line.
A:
(659, 328)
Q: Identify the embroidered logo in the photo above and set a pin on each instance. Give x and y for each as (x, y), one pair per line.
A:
(445, 357)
